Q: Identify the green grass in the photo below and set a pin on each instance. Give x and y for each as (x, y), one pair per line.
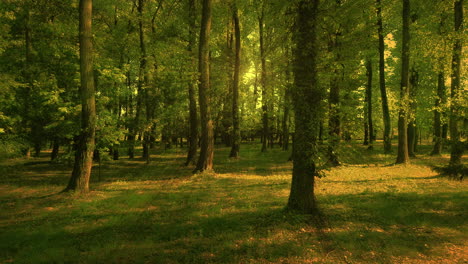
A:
(371, 212)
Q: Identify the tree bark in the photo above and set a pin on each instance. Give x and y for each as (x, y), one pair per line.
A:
(287, 107)
(402, 155)
(457, 147)
(266, 128)
(205, 160)
(307, 96)
(412, 125)
(193, 119)
(368, 107)
(143, 81)
(437, 150)
(236, 138)
(383, 90)
(55, 149)
(81, 173)
(334, 132)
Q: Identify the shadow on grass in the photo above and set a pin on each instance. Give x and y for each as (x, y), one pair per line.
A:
(398, 223)
(191, 226)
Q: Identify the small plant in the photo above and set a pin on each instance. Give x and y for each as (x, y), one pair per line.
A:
(455, 172)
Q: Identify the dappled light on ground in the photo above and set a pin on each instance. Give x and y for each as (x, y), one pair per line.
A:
(370, 212)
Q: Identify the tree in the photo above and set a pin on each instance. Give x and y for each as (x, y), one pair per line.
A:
(457, 147)
(412, 124)
(143, 80)
(235, 89)
(402, 156)
(334, 129)
(193, 119)
(307, 96)
(205, 160)
(383, 89)
(81, 173)
(368, 107)
(263, 78)
(437, 149)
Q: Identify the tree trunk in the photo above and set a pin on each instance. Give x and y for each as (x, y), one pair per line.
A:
(265, 130)
(334, 132)
(235, 90)
(307, 96)
(437, 150)
(412, 127)
(132, 124)
(26, 123)
(402, 155)
(81, 173)
(366, 127)
(193, 119)
(143, 81)
(383, 90)
(287, 106)
(55, 149)
(457, 147)
(370, 123)
(205, 160)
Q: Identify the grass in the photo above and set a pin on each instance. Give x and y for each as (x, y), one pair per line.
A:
(371, 212)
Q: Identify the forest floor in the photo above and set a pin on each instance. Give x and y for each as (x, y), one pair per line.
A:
(371, 212)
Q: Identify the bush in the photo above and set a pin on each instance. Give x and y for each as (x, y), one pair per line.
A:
(11, 147)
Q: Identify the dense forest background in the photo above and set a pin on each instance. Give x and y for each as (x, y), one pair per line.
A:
(145, 74)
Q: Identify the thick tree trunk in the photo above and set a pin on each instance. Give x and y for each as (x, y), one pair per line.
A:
(437, 150)
(383, 90)
(236, 138)
(457, 147)
(266, 128)
(307, 96)
(81, 173)
(193, 119)
(402, 155)
(368, 106)
(205, 160)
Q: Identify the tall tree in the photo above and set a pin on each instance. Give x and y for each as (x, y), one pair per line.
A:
(334, 129)
(263, 81)
(81, 173)
(368, 106)
(307, 96)
(402, 155)
(193, 119)
(437, 149)
(235, 88)
(287, 105)
(205, 160)
(383, 89)
(457, 147)
(143, 80)
(412, 125)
